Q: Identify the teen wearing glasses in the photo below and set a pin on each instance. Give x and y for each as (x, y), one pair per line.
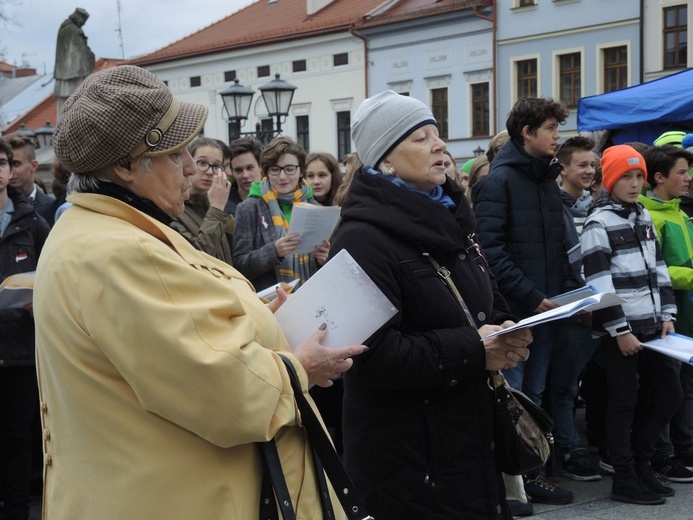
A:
(204, 222)
(263, 250)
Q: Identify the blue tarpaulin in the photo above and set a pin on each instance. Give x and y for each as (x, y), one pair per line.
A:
(642, 112)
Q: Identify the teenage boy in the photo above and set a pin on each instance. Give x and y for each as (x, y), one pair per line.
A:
(667, 168)
(22, 234)
(245, 168)
(621, 255)
(520, 227)
(578, 163)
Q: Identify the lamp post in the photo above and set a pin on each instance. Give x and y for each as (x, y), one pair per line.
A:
(44, 135)
(277, 96)
(478, 151)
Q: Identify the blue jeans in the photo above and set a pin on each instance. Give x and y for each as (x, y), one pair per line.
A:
(558, 354)
(570, 356)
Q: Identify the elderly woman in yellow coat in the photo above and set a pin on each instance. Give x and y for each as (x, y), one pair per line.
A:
(158, 365)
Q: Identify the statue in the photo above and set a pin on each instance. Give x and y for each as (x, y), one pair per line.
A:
(74, 60)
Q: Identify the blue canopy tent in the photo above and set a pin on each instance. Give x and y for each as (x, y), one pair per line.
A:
(642, 112)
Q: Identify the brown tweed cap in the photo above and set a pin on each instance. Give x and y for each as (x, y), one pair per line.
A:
(119, 114)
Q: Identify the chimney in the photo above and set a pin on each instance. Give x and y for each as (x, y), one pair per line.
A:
(313, 6)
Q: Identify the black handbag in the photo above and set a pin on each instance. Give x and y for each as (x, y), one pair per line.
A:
(522, 430)
(326, 462)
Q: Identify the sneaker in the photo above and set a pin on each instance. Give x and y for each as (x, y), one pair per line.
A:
(578, 467)
(605, 465)
(687, 461)
(653, 481)
(632, 490)
(542, 491)
(518, 508)
(673, 470)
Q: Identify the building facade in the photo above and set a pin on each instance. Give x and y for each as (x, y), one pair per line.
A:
(565, 49)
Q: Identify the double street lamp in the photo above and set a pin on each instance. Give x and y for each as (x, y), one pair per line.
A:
(277, 96)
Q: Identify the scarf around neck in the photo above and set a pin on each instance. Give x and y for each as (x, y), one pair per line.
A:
(280, 205)
(436, 195)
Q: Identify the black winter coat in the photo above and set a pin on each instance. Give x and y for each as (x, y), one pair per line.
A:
(519, 214)
(20, 248)
(418, 413)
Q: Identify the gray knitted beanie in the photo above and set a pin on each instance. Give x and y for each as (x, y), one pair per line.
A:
(383, 121)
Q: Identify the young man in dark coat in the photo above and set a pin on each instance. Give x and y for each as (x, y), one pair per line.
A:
(520, 227)
(22, 234)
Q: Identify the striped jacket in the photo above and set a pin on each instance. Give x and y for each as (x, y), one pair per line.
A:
(621, 255)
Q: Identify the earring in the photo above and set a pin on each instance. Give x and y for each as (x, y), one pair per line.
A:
(390, 171)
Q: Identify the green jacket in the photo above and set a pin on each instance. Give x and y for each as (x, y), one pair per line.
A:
(675, 233)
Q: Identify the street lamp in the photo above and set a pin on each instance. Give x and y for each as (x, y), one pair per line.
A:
(44, 135)
(478, 151)
(277, 96)
(25, 132)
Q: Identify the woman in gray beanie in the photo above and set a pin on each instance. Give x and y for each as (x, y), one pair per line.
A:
(418, 410)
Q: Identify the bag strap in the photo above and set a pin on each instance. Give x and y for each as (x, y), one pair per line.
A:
(446, 275)
(346, 493)
(273, 482)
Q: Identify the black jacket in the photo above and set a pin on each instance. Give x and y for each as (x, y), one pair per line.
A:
(20, 248)
(418, 426)
(520, 225)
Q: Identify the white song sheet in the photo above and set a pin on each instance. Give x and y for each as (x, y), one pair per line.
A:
(341, 295)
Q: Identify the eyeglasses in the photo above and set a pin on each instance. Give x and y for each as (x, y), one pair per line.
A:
(289, 169)
(204, 166)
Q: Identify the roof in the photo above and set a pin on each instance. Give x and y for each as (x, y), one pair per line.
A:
(24, 94)
(393, 11)
(265, 21)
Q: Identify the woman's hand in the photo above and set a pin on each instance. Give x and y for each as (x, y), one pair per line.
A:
(321, 251)
(287, 244)
(218, 194)
(507, 350)
(278, 301)
(322, 364)
(628, 344)
(667, 327)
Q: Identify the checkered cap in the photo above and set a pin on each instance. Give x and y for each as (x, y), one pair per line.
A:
(119, 114)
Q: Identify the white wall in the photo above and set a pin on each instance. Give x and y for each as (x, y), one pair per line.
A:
(322, 89)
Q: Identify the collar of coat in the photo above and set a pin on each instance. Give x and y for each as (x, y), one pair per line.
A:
(115, 208)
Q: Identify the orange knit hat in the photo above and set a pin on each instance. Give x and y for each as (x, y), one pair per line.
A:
(616, 161)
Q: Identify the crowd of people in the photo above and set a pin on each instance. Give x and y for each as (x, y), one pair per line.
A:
(156, 370)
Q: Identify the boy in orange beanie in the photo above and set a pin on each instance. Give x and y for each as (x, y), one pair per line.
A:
(621, 255)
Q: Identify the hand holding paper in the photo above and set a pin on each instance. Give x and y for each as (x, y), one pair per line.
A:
(591, 303)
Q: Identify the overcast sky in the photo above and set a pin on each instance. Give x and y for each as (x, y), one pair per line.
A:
(146, 25)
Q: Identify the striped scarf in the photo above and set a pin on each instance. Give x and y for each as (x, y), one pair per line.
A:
(295, 265)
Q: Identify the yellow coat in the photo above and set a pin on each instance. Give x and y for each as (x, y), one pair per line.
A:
(157, 372)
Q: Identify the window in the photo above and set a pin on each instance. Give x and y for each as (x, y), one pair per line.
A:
(343, 134)
(615, 68)
(229, 75)
(263, 71)
(526, 78)
(234, 130)
(480, 109)
(570, 78)
(675, 37)
(303, 132)
(299, 66)
(526, 3)
(266, 130)
(341, 59)
(439, 107)
(195, 81)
